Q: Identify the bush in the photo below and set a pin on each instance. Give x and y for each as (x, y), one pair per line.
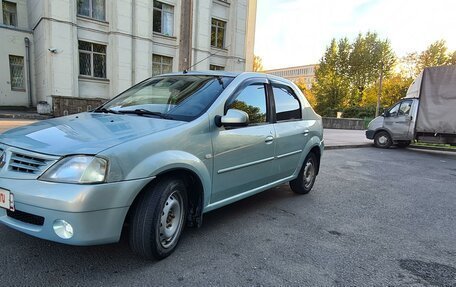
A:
(360, 112)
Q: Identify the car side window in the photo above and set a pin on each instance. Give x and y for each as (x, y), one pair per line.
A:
(252, 100)
(286, 104)
(393, 110)
(405, 108)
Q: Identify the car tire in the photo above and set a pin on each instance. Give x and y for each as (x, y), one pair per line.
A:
(158, 219)
(307, 175)
(382, 140)
(403, 144)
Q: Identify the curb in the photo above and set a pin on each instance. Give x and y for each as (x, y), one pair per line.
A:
(348, 146)
(25, 116)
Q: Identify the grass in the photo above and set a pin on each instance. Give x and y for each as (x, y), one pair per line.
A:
(446, 146)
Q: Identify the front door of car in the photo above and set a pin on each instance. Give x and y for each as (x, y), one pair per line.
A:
(399, 119)
(243, 156)
(292, 132)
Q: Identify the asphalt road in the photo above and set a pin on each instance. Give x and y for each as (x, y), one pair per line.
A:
(375, 217)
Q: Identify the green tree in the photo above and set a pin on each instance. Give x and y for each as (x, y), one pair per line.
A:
(409, 65)
(394, 88)
(348, 69)
(453, 58)
(331, 85)
(307, 93)
(435, 55)
(370, 59)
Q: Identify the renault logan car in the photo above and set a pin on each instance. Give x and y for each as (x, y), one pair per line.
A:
(156, 158)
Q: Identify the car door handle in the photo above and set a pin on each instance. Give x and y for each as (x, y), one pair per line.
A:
(306, 132)
(269, 139)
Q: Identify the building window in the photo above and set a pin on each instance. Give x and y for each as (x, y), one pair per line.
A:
(92, 60)
(161, 65)
(163, 18)
(9, 13)
(92, 8)
(17, 72)
(218, 33)
(216, 68)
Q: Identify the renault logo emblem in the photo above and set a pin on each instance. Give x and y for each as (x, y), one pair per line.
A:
(2, 159)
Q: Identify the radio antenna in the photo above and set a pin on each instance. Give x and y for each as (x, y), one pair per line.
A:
(210, 55)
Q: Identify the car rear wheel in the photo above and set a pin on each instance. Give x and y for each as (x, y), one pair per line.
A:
(158, 219)
(382, 140)
(304, 182)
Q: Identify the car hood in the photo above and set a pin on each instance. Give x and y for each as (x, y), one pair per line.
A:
(376, 123)
(85, 133)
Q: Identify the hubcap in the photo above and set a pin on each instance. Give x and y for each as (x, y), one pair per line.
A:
(171, 219)
(383, 140)
(309, 173)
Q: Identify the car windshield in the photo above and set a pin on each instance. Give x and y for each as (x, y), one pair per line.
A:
(178, 97)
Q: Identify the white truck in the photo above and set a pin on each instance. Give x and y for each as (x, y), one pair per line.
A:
(427, 113)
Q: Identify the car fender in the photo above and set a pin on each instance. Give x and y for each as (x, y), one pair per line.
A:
(173, 160)
(314, 141)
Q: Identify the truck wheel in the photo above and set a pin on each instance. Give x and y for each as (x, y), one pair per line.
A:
(403, 144)
(158, 219)
(382, 140)
(306, 178)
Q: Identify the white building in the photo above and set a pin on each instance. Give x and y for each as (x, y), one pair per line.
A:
(86, 49)
(296, 74)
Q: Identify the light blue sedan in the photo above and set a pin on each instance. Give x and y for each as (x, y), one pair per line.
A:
(156, 158)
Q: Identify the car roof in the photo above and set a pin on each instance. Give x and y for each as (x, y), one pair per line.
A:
(232, 74)
(229, 74)
(205, 73)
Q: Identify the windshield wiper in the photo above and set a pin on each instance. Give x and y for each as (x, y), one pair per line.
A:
(105, 110)
(142, 112)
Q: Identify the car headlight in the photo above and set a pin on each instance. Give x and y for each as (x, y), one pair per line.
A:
(77, 169)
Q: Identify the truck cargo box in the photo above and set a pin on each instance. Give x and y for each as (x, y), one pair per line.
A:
(436, 89)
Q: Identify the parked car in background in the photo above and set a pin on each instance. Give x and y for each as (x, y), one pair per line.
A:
(425, 114)
(156, 158)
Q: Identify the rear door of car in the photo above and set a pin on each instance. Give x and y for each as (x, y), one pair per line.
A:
(292, 132)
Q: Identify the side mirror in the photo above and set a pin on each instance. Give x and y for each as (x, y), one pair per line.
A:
(233, 118)
(386, 114)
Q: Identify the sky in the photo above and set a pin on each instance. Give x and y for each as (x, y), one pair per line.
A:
(297, 32)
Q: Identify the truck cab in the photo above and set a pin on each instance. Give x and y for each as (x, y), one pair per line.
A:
(395, 126)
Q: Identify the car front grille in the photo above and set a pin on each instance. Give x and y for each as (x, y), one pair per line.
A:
(26, 164)
(26, 217)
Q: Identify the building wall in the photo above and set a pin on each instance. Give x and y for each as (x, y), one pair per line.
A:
(12, 43)
(296, 74)
(127, 32)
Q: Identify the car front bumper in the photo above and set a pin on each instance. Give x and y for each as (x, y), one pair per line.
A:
(96, 212)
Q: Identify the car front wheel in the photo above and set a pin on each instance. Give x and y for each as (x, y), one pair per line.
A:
(158, 219)
(304, 182)
(382, 140)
